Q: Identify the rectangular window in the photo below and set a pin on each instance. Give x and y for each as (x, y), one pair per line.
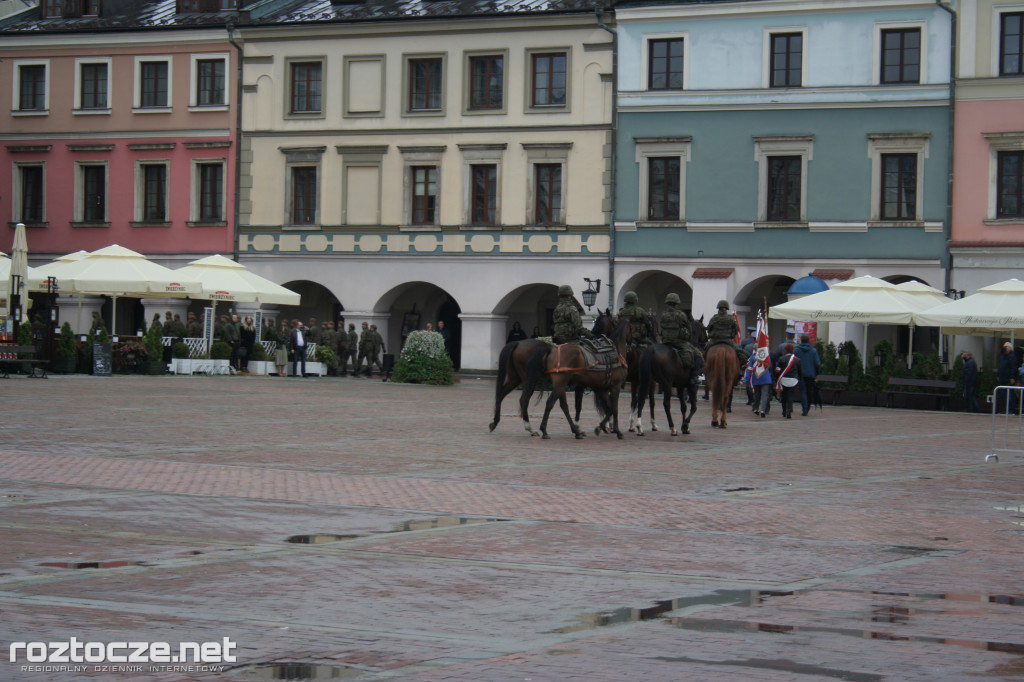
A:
(51, 9)
(425, 84)
(153, 84)
(899, 187)
(306, 87)
(94, 193)
(32, 87)
(210, 82)
(549, 79)
(665, 64)
(90, 8)
(424, 195)
(94, 86)
(211, 192)
(1010, 185)
(787, 60)
(486, 82)
(154, 192)
(303, 195)
(31, 181)
(784, 188)
(901, 55)
(548, 185)
(1011, 44)
(485, 194)
(663, 188)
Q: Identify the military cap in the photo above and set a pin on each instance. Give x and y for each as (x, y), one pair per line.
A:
(672, 298)
(565, 290)
(630, 297)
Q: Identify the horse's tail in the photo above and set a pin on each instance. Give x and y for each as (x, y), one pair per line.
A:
(602, 404)
(506, 368)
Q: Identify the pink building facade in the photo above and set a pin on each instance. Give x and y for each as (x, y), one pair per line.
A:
(125, 138)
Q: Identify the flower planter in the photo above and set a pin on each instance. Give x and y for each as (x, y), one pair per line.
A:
(862, 398)
(155, 367)
(200, 366)
(260, 367)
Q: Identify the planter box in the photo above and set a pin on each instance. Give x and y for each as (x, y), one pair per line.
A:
(316, 368)
(261, 367)
(200, 366)
(862, 398)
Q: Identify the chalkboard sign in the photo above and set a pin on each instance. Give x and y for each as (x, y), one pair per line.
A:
(101, 359)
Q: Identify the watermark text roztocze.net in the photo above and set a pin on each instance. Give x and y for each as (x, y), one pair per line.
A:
(75, 651)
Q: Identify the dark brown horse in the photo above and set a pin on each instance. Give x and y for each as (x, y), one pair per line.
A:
(660, 364)
(605, 326)
(721, 370)
(569, 365)
(512, 371)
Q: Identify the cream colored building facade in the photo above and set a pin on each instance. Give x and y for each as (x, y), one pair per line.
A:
(380, 178)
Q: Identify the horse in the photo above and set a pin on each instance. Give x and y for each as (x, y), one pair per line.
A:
(660, 364)
(512, 371)
(721, 370)
(604, 374)
(605, 325)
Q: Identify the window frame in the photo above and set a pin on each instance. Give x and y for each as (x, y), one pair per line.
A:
(1019, 216)
(312, 173)
(419, 156)
(414, 183)
(196, 203)
(998, 47)
(82, 169)
(880, 144)
(470, 59)
(530, 80)
(766, 148)
(768, 74)
(648, 56)
(408, 61)
(289, 100)
(481, 155)
(646, 149)
(195, 79)
(137, 96)
(881, 28)
(16, 108)
(142, 217)
(18, 193)
(80, 64)
(302, 157)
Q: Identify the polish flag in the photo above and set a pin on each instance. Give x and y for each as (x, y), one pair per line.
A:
(739, 334)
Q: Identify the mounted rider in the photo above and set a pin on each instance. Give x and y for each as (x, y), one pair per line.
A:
(566, 318)
(722, 328)
(638, 318)
(675, 332)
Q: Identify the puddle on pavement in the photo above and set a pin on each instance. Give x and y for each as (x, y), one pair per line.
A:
(746, 627)
(93, 564)
(297, 671)
(404, 527)
(780, 665)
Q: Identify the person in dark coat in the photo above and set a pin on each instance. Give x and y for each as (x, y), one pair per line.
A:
(969, 374)
(1007, 375)
(810, 365)
(517, 333)
(787, 379)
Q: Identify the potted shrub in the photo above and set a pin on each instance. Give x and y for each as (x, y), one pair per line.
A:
(259, 362)
(129, 356)
(67, 352)
(154, 343)
(423, 361)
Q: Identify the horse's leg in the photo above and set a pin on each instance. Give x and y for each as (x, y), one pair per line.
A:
(687, 416)
(638, 411)
(579, 405)
(564, 402)
(614, 411)
(556, 391)
(502, 392)
(524, 409)
(667, 401)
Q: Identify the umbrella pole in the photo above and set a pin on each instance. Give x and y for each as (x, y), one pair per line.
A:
(864, 354)
(910, 348)
(113, 316)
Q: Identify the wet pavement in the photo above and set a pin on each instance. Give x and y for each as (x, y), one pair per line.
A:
(360, 530)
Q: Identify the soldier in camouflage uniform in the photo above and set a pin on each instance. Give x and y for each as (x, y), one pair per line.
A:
(638, 319)
(568, 326)
(722, 328)
(378, 348)
(365, 349)
(312, 331)
(328, 339)
(675, 332)
(349, 346)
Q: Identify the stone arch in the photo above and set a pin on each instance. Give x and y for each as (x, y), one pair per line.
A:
(752, 296)
(531, 305)
(652, 286)
(316, 301)
(409, 306)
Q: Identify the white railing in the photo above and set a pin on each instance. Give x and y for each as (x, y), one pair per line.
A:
(1007, 421)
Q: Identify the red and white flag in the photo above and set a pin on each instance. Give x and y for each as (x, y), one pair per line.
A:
(763, 362)
(738, 338)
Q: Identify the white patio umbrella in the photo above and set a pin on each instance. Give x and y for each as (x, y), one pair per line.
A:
(864, 300)
(19, 267)
(37, 277)
(223, 279)
(995, 310)
(116, 271)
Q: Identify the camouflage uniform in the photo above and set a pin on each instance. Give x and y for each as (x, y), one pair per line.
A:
(348, 343)
(328, 339)
(312, 331)
(638, 318)
(194, 328)
(722, 328)
(675, 332)
(365, 348)
(378, 347)
(568, 326)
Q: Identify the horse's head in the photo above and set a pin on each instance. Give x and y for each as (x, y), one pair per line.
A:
(604, 325)
(622, 334)
(698, 332)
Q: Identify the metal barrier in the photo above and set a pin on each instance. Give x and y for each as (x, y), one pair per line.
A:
(1006, 410)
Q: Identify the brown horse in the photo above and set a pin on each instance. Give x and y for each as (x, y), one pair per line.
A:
(605, 325)
(604, 374)
(660, 364)
(721, 370)
(512, 371)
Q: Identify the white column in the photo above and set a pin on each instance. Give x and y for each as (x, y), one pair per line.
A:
(706, 295)
(77, 311)
(483, 337)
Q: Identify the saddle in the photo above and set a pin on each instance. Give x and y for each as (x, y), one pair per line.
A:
(599, 345)
(599, 354)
